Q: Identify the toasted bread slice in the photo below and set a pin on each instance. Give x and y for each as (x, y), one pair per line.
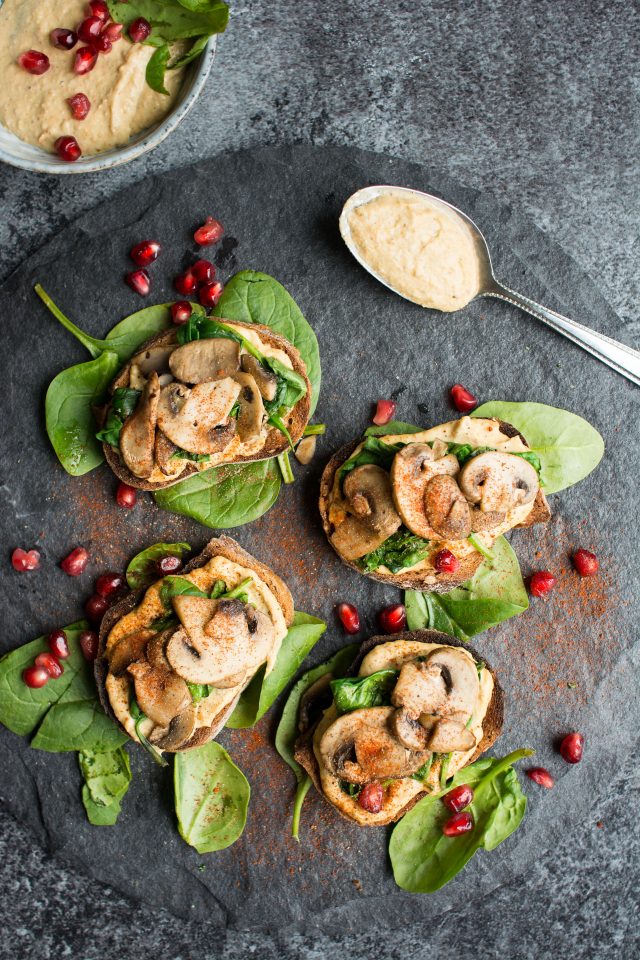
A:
(217, 547)
(275, 442)
(428, 580)
(492, 724)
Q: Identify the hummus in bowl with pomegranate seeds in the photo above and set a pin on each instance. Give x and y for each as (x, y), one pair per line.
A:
(35, 108)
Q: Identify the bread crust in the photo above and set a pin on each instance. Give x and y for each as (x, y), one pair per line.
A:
(416, 580)
(216, 547)
(491, 725)
(275, 442)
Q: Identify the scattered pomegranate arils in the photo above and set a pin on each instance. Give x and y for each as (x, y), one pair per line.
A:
(35, 62)
(85, 60)
(102, 44)
(585, 562)
(168, 564)
(63, 39)
(186, 283)
(88, 641)
(109, 583)
(349, 617)
(23, 560)
(446, 562)
(57, 643)
(541, 583)
(458, 798)
(98, 8)
(139, 30)
(572, 748)
(393, 619)
(541, 776)
(203, 270)
(458, 824)
(210, 293)
(75, 562)
(90, 28)
(462, 399)
(35, 677)
(113, 31)
(145, 252)
(181, 311)
(96, 607)
(49, 663)
(126, 496)
(80, 105)
(139, 281)
(371, 797)
(385, 411)
(68, 149)
(210, 232)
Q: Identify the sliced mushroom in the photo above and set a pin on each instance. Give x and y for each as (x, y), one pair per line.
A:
(446, 509)
(420, 688)
(179, 732)
(196, 420)
(408, 730)
(266, 380)
(156, 647)
(315, 700)
(127, 650)
(413, 467)
(499, 481)
(204, 360)
(137, 379)
(449, 734)
(252, 413)
(138, 434)
(163, 452)
(193, 666)
(155, 358)
(373, 517)
(306, 450)
(359, 747)
(445, 685)
(160, 694)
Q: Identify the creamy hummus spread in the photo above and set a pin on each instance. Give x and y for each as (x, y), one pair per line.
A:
(35, 108)
(423, 250)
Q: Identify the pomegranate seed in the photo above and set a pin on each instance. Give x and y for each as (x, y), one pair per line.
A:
(572, 747)
(210, 293)
(96, 607)
(385, 410)
(101, 43)
(371, 796)
(139, 281)
(541, 582)
(57, 643)
(446, 562)
(349, 617)
(145, 253)
(186, 283)
(23, 560)
(49, 663)
(98, 8)
(458, 798)
(541, 776)
(393, 619)
(203, 270)
(89, 29)
(75, 563)
(139, 30)
(458, 824)
(210, 232)
(462, 399)
(85, 60)
(68, 149)
(113, 31)
(80, 105)
(35, 62)
(585, 562)
(63, 39)
(126, 496)
(181, 311)
(35, 677)
(168, 564)
(88, 641)
(109, 583)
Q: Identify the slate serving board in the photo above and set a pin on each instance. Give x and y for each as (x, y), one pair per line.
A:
(280, 208)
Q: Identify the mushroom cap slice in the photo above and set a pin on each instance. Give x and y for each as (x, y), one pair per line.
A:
(266, 380)
(154, 358)
(181, 729)
(412, 468)
(446, 684)
(252, 413)
(408, 730)
(196, 667)
(449, 734)
(138, 434)
(127, 650)
(201, 360)
(137, 379)
(160, 694)
(420, 688)
(499, 481)
(359, 747)
(446, 508)
(306, 450)
(314, 701)
(196, 420)
(156, 648)
(373, 516)
(163, 452)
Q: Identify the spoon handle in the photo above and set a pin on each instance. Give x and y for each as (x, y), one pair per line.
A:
(625, 360)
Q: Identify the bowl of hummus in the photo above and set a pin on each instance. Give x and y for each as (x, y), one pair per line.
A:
(126, 117)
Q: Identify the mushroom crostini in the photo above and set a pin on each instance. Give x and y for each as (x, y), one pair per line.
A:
(174, 659)
(412, 712)
(194, 397)
(391, 504)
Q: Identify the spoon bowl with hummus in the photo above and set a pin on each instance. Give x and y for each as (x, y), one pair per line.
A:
(431, 253)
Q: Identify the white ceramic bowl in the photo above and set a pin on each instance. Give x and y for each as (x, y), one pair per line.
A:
(21, 154)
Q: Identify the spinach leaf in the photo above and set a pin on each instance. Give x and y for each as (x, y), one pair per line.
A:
(123, 403)
(173, 19)
(198, 691)
(302, 636)
(195, 457)
(372, 451)
(423, 859)
(143, 570)
(176, 586)
(568, 447)
(356, 693)
(495, 593)
(156, 67)
(401, 550)
(107, 777)
(424, 770)
(211, 797)
(393, 427)
(139, 717)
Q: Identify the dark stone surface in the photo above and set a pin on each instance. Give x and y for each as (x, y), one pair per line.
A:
(579, 874)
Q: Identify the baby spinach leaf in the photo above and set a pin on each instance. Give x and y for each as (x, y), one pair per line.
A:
(302, 636)
(423, 859)
(393, 427)
(495, 593)
(123, 403)
(357, 693)
(143, 569)
(401, 550)
(173, 586)
(373, 451)
(107, 777)
(173, 19)
(198, 691)
(568, 446)
(156, 67)
(211, 797)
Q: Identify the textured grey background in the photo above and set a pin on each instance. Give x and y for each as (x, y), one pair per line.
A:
(538, 107)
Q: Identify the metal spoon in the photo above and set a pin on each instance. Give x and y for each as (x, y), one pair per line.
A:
(621, 358)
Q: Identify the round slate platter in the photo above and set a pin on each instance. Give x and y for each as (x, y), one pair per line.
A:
(280, 208)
